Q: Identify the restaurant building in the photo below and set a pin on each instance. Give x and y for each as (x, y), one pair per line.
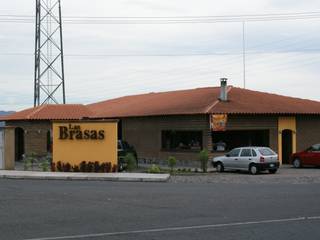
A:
(182, 123)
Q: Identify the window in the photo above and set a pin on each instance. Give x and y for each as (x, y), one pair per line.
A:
(254, 153)
(234, 152)
(266, 152)
(246, 152)
(315, 148)
(181, 140)
(239, 138)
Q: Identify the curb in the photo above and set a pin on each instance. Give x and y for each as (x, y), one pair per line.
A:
(114, 177)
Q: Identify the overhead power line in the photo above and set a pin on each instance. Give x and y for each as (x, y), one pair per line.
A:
(169, 20)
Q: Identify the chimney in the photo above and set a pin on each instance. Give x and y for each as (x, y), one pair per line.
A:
(223, 90)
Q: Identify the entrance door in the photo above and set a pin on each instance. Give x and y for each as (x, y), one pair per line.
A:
(286, 145)
(19, 143)
(1, 149)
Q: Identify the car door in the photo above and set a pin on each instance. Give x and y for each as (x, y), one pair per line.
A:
(315, 155)
(244, 158)
(232, 158)
(309, 156)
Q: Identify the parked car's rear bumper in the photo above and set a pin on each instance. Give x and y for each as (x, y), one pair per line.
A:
(267, 166)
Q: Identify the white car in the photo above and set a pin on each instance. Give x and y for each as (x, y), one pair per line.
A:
(252, 159)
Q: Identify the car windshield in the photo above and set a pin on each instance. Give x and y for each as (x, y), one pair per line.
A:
(266, 152)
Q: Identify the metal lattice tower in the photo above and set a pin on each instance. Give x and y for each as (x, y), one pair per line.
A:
(49, 67)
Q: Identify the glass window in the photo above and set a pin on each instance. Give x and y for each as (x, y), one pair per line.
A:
(182, 140)
(316, 147)
(254, 153)
(246, 152)
(234, 152)
(228, 140)
(266, 152)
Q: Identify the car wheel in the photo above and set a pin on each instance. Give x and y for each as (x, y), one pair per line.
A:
(273, 171)
(253, 169)
(220, 167)
(297, 163)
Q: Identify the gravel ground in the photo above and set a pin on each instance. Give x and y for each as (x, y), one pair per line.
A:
(286, 174)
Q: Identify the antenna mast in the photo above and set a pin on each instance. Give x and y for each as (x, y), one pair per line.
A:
(49, 85)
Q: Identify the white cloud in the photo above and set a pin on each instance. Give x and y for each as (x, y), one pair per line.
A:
(89, 79)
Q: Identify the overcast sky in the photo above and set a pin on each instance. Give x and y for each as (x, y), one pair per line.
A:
(282, 56)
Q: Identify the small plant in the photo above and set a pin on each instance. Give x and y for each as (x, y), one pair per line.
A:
(90, 167)
(172, 161)
(115, 168)
(59, 166)
(44, 165)
(75, 168)
(130, 161)
(66, 167)
(53, 167)
(83, 166)
(28, 161)
(204, 158)
(154, 169)
(96, 166)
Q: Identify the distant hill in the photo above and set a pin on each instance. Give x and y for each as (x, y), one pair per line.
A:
(5, 112)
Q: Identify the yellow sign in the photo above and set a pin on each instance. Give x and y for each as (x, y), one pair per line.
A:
(218, 122)
(90, 141)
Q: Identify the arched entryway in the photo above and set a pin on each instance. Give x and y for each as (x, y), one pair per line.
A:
(19, 143)
(286, 145)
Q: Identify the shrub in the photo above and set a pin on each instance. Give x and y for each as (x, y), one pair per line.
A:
(28, 161)
(172, 161)
(115, 168)
(44, 165)
(90, 167)
(75, 168)
(83, 166)
(96, 166)
(59, 166)
(105, 167)
(154, 169)
(130, 161)
(66, 167)
(53, 167)
(204, 158)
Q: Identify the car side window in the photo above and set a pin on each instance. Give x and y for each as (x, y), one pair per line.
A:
(246, 152)
(315, 148)
(254, 153)
(234, 152)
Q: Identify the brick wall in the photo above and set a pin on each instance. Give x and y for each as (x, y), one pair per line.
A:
(256, 122)
(35, 135)
(308, 131)
(144, 133)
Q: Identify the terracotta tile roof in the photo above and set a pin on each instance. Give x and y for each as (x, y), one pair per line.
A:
(183, 102)
(194, 101)
(203, 101)
(242, 101)
(51, 112)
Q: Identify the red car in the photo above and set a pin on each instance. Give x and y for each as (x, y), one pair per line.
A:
(310, 156)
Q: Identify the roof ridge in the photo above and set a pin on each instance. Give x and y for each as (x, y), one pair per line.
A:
(217, 101)
(36, 111)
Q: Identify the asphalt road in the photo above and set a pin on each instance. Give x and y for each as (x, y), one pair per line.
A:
(109, 210)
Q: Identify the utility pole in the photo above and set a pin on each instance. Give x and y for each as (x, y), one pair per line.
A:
(49, 87)
(244, 53)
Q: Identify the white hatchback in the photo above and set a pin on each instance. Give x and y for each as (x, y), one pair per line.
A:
(252, 159)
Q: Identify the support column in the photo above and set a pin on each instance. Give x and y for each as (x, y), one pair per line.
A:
(9, 148)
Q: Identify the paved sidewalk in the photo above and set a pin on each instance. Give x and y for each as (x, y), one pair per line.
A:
(120, 177)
